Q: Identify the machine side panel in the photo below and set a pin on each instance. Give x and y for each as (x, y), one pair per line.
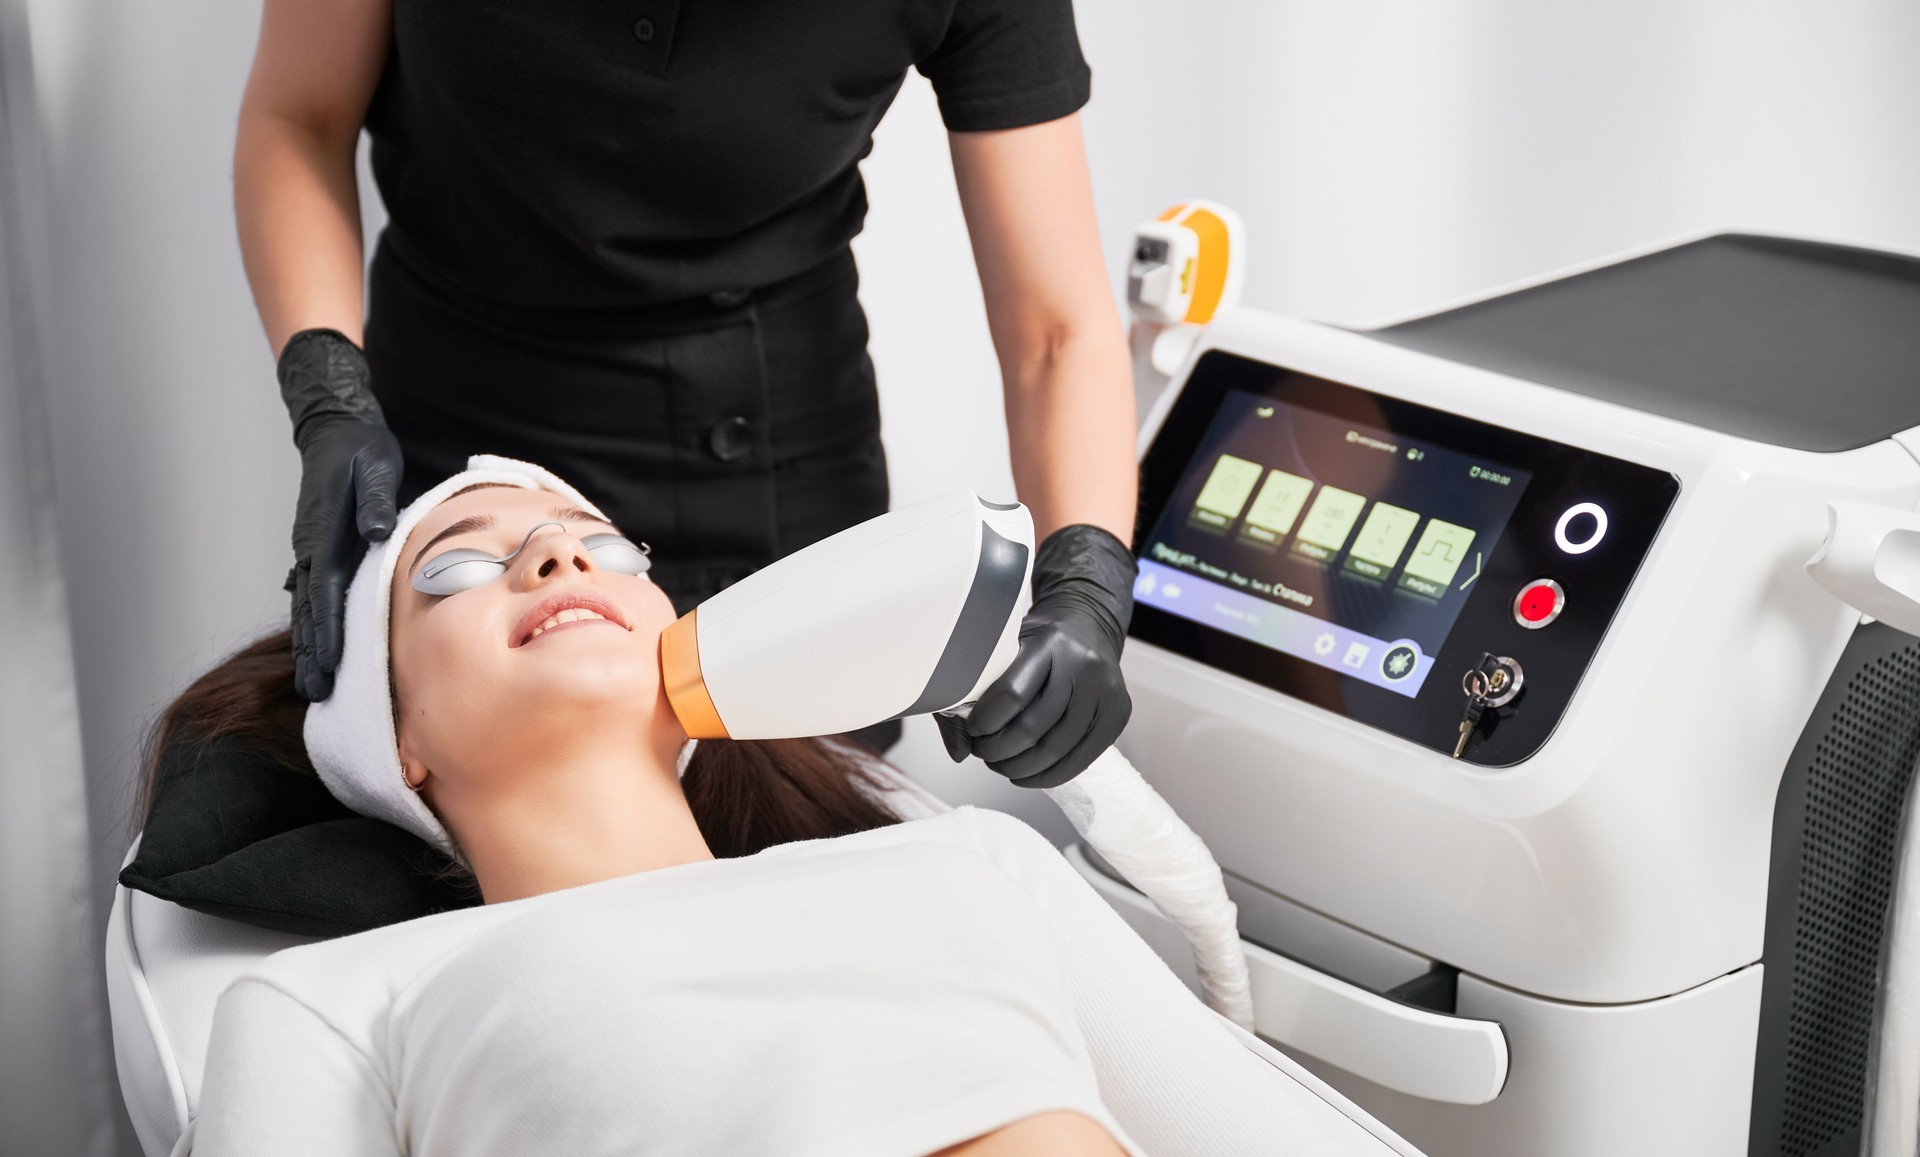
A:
(1664, 1078)
(1278, 923)
(1836, 837)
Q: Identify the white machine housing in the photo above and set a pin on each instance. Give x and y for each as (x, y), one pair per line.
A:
(1604, 901)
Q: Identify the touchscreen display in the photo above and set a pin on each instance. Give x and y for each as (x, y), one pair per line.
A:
(1337, 543)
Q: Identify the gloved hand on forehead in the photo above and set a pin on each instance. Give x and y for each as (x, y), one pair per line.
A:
(350, 468)
(1063, 701)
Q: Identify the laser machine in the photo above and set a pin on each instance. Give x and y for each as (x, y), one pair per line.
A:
(1561, 800)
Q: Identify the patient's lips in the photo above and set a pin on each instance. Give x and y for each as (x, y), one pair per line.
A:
(567, 619)
(565, 609)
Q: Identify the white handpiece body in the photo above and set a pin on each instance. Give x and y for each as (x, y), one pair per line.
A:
(912, 612)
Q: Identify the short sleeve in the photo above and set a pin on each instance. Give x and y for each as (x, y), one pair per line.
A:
(1007, 63)
(280, 1080)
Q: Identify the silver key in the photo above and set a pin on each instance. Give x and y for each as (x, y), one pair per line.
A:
(1493, 683)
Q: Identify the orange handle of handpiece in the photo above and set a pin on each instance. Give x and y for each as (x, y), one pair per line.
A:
(686, 685)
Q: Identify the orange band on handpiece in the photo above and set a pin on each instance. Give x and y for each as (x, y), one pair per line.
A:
(686, 686)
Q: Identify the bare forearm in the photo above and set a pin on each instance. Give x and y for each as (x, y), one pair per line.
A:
(1070, 428)
(298, 210)
(298, 207)
(1063, 357)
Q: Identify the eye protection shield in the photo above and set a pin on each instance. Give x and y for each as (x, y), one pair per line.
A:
(463, 568)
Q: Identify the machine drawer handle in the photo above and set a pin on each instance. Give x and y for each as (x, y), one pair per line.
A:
(1433, 1055)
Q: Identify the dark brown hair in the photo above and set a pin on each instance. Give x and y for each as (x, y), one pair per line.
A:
(746, 795)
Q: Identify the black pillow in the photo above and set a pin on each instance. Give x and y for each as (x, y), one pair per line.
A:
(234, 834)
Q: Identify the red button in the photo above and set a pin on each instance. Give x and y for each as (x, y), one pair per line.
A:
(1538, 603)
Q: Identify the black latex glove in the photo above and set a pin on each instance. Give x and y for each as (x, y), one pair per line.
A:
(350, 470)
(1063, 700)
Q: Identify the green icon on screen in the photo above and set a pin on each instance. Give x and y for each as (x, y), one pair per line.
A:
(1437, 558)
(1381, 540)
(1328, 523)
(1226, 491)
(1276, 507)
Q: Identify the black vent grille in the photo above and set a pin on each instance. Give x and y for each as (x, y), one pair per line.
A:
(1855, 793)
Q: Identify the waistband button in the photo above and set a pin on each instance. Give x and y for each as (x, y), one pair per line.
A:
(730, 439)
(728, 298)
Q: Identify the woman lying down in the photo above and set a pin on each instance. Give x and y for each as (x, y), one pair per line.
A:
(947, 985)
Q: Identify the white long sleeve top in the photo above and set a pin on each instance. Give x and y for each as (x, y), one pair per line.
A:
(889, 993)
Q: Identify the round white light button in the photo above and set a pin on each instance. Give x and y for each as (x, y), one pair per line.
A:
(1592, 539)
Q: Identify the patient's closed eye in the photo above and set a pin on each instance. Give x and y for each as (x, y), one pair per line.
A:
(464, 568)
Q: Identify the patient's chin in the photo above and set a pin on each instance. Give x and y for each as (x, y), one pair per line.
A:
(535, 722)
(569, 678)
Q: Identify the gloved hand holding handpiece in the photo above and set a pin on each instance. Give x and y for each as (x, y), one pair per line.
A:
(914, 612)
(350, 468)
(1063, 701)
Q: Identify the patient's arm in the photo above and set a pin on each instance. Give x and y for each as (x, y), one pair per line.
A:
(1169, 1069)
(1057, 1134)
(280, 1080)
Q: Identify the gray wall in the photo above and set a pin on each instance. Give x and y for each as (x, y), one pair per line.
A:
(1384, 155)
(57, 1089)
(175, 469)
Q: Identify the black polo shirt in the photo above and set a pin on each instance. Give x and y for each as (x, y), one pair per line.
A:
(558, 153)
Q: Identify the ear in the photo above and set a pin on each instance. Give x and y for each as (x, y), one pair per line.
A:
(413, 769)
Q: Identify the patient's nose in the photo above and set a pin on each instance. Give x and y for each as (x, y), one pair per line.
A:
(551, 552)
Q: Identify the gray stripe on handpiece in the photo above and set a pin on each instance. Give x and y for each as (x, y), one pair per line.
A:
(996, 588)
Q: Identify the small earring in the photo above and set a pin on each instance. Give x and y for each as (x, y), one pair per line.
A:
(412, 786)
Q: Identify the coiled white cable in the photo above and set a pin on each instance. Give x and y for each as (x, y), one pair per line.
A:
(1121, 817)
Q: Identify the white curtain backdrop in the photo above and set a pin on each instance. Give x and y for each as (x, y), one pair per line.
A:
(1385, 155)
(57, 1093)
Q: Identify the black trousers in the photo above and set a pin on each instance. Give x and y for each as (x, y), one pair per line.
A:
(724, 432)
